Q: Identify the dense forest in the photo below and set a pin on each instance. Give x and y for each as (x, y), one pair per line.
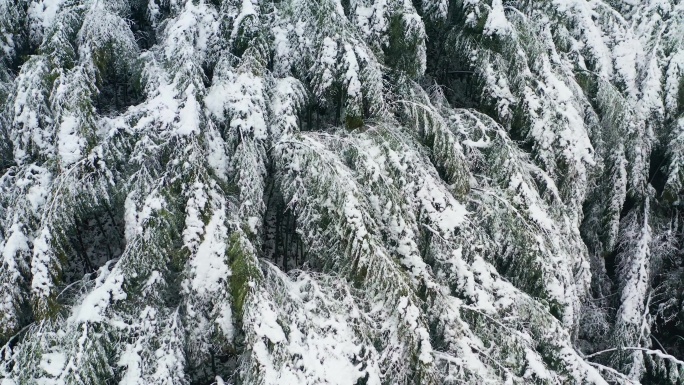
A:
(343, 192)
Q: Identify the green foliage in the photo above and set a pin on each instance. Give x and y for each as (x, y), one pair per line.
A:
(244, 273)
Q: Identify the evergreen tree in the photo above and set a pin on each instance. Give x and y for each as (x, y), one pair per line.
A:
(341, 192)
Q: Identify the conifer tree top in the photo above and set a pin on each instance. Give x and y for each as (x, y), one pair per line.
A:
(341, 192)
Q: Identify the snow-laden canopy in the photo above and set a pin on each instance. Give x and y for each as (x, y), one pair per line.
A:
(341, 192)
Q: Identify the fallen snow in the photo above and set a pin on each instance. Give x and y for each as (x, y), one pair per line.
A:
(70, 143)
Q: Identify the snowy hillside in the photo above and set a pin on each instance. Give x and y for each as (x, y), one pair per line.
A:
(348, 192)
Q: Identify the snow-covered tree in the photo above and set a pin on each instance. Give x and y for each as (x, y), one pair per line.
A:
(341, 192)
